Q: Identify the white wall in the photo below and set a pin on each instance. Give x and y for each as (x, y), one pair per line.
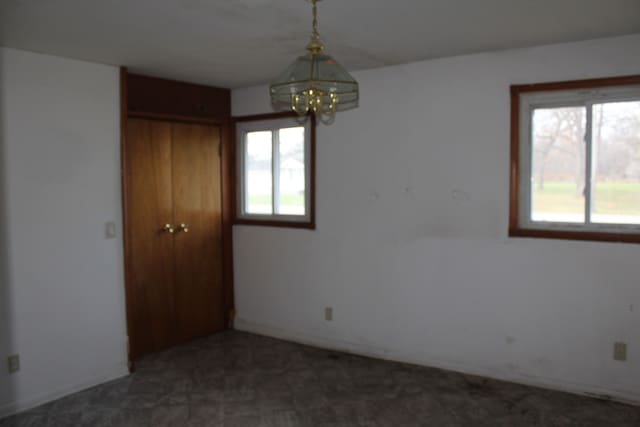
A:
(62, 306)
(411, 248)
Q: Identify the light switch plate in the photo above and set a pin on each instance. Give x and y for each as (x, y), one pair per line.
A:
(110, 230)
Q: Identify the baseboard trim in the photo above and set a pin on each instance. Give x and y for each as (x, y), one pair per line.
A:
(622, 396)
(12, 408)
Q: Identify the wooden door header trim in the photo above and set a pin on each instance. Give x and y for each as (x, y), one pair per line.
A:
(216, 121)
(161, 96)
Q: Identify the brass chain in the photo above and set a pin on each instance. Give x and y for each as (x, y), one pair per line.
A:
(315, 19)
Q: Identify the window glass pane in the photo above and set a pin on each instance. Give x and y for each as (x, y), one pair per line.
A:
(558, 164)
(291, 194)
(616, 163)
(258, 179)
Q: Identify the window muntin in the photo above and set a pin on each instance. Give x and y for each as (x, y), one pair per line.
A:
(274, 170)
(578, 160)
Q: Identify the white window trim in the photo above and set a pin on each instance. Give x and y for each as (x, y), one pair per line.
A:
(570, 98)
(242, 129)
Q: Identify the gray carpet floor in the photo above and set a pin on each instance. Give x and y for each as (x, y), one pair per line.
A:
(238, 379)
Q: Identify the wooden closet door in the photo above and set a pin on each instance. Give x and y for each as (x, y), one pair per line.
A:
(151, 250)
(198, 252)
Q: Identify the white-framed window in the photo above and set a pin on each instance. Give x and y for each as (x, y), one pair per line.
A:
(275, 171)
(576, 160)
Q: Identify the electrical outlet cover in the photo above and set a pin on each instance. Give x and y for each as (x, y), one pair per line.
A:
(328, 314)
(620, 351)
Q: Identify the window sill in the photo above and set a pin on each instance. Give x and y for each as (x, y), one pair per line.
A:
(594, 236)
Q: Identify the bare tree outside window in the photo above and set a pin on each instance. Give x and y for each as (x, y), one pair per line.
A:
(616, 163)
(558, 164)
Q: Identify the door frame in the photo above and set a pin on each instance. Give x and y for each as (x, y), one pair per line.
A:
(227, 179)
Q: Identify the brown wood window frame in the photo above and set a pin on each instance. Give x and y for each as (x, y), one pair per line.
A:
(515, 228)
(267, 221)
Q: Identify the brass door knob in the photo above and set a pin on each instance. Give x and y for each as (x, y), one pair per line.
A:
(184, 228)
(168, 228)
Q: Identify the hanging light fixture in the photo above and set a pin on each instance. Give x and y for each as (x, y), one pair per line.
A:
(315, 82)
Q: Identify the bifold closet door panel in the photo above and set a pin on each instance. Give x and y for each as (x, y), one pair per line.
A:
(150, 207)
(198, 252)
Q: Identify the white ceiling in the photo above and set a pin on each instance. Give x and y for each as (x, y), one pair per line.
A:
(235, 43)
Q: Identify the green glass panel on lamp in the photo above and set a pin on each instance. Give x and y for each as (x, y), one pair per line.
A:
(315, 82)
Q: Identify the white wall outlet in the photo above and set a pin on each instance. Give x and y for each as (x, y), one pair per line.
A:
(13, 363)
(110, 230)
(328, 314)
(620, 351)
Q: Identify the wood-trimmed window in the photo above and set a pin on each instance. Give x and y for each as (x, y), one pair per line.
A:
(575, 160)
(275, 176)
